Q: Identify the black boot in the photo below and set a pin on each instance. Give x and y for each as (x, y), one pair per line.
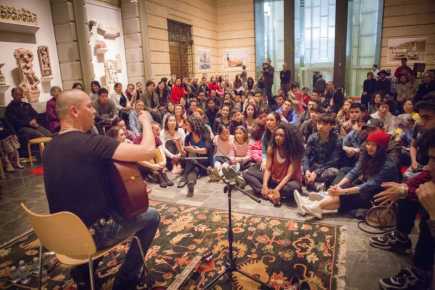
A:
(168, 181)
(190, 189)
(162, 180)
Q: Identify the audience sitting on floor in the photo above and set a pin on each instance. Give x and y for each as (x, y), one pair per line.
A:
(322, 154)
(105, 110)
(327, 152)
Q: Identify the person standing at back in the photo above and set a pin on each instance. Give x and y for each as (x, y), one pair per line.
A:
(268, 73)
(285, 77)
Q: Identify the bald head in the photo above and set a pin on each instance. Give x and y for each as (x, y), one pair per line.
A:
(67, 99)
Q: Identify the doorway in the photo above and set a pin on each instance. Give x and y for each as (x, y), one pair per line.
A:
(180, 48)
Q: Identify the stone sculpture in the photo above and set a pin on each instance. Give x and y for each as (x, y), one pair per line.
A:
(10, 13)
(44, 61)
(2, 77)
(28, 80)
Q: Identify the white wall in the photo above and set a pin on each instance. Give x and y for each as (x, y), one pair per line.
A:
(109, 17)
(44, 36)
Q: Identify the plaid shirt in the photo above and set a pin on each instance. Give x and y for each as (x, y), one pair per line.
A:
(320, 156)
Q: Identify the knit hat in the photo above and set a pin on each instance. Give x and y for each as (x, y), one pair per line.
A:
(379, 137)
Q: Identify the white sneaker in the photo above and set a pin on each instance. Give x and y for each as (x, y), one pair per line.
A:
(298, 199)
(313, 209)
(316, 196)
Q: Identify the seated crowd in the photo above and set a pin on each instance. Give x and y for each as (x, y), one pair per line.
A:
(319, 149)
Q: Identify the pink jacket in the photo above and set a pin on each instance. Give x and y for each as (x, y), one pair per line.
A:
(255, 151)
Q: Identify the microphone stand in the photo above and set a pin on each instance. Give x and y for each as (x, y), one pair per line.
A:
(230, 263)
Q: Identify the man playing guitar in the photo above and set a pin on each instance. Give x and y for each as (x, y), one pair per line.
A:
(76, 170)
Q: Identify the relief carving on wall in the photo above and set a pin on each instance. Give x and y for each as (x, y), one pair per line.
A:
(44, 61)
(10, 13)
(2, 77)
(28, 80)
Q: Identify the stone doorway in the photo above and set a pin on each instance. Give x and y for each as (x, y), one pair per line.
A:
(180, 48)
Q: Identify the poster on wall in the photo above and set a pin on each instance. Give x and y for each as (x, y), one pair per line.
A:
(107, 44)
(204, 59)
(413, 49)
(235, 58)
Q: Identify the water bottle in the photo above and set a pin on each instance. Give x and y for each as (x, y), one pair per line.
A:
(14, 274)
(24, 272)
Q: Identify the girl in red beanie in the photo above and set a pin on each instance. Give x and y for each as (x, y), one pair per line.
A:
(357, 188)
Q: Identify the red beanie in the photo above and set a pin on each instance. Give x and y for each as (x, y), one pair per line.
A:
(379, 137)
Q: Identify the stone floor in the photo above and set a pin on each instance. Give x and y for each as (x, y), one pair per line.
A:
(364, 264)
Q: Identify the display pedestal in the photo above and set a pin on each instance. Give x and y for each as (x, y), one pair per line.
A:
(46, 79)
(18, 27)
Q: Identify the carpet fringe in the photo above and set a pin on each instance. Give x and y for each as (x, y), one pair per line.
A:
(341, 260)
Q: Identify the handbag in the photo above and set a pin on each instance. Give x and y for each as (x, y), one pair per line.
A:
(381, 217)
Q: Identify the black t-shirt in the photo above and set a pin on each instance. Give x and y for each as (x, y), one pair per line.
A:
(76, 167)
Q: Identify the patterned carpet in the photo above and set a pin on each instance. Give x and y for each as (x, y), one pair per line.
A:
(280, 252)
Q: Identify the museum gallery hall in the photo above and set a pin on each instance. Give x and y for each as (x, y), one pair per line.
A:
(217, 144)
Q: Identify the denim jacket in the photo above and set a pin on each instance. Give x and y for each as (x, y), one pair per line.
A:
(388, 172)
(320, 156)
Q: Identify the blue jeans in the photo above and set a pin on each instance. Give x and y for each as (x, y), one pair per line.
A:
(144, 226)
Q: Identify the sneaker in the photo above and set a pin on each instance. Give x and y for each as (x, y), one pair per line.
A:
(240, 182)
(190, 189)
(319, 186)
(316, 196)
(168, 181)
(298, 199)
(393, 241)
(213, 175)
(182, 182)
(162, 181)
(406, 279)
(313, 209)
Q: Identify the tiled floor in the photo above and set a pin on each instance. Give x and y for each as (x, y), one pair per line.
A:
(364, 264)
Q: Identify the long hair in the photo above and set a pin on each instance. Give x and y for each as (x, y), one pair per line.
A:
(268, 135)
(293, 145)
(199, 128)
(245, 113)
(372, 165)
(165, 123)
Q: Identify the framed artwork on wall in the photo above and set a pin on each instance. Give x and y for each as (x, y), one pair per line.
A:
(204, 59)
(414, 49)
(235, 58)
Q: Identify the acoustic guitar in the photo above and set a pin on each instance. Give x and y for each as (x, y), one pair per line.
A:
(129, 189)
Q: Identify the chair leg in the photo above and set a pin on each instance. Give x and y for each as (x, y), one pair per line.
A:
(41, 149)
(91, 274)
(139, 244)
(40, 266)
(29, 152)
